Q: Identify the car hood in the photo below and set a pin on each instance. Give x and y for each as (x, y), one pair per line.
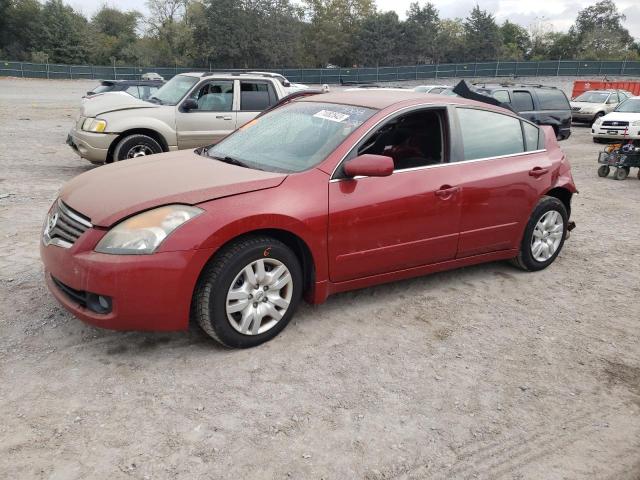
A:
(110, 102)
(621, 117)
(586, 104)
(112, 192)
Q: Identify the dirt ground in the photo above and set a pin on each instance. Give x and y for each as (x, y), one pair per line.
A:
(485, 372)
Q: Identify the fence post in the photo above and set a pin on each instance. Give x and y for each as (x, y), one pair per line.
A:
(475, 69)
(22, 69)
(537, 67)
(71, 72)
(437, 67)
(497, 67)
(515, 74)
(624, 64)
(558, 69)
(47, 68)
(93, 75)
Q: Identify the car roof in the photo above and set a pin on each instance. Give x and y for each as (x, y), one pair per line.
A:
(245, 75)
(380, 99)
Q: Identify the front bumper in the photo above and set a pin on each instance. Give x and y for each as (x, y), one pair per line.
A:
(582, 117)
(91, 146)
(618, 133)
(146, 292)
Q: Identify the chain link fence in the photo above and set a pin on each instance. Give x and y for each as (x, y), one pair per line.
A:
(496, 69)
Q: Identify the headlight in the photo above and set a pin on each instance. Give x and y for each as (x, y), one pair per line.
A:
(94, 125)
(636, 123)
(143, 233)
(598, 121)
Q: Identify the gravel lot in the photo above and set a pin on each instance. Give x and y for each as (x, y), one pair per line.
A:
(484, 372)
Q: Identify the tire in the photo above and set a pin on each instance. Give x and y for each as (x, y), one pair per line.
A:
(603, 170)
(598, 115)
(135, 146)
(527, 259)
(597, 140)
(226, 271)
(620, 173)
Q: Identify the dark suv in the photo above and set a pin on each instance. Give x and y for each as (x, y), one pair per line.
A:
(142, 89)
(538, 103)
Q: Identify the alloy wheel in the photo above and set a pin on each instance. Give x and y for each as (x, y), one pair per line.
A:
(259, 296)
(547, 236)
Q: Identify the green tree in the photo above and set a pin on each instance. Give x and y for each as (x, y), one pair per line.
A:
(22, 27)
(421, 33)
(64, 33)
(378, 39)
(451, 41)
(482, 36)
(599, 32)
(516, 42)
(114, 32)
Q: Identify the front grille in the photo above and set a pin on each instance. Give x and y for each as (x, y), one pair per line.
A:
(613, 123)
(64, 225)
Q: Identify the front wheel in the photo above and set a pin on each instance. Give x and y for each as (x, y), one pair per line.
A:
(603, 170)
(134, 146)
(544, 235)
(621, 173)
(248, 292)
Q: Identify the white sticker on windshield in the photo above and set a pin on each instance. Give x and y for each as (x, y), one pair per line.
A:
(333, 116)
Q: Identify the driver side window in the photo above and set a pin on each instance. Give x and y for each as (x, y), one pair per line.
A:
(413, 140)
(214, 96)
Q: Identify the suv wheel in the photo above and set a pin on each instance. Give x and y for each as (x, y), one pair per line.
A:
(248, 292)
(544, 235)
(134, 146)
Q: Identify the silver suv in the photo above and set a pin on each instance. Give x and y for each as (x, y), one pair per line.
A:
(593, 104)
(190, 110)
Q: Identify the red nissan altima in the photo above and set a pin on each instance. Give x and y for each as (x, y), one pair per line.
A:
(325, 194)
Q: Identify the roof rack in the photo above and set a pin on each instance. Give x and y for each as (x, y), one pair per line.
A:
(511, 84)
(239, 74)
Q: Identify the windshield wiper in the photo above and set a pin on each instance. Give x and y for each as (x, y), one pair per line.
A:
(231, 160)
(155, 100)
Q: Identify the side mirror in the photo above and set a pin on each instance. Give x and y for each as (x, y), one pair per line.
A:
(286, 83)
(189, 104)
(89, 93)
(369, 165)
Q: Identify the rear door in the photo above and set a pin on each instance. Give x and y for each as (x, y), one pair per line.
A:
(253, 97)
(504, 170)
(214, 118)
(554, 109)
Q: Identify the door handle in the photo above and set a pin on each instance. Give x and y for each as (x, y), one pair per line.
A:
(223, 117)
(538, 172)
(446, 191)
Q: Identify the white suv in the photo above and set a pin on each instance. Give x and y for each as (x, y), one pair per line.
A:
(621, 124)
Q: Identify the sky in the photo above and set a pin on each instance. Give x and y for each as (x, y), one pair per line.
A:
(550, 14)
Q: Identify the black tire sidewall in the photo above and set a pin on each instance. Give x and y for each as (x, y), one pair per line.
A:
(220, 286)
(545, 205)
(131, 141)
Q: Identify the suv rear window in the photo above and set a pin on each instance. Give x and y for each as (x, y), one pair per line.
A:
(256, 96)
(552, 99)
(522, 101)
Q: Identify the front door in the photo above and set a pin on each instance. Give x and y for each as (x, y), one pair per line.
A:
(214, 118)
(411, 218)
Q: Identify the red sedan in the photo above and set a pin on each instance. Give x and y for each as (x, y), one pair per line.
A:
(325, 194)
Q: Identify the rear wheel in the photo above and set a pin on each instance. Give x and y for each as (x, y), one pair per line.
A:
(249, 291)
(544, 235)
(134, 146)
(603, 170)
(621, 173)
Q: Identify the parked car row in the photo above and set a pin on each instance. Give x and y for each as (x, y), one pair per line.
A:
(323, 194)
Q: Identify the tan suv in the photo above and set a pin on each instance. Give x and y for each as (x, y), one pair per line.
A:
(190, 110)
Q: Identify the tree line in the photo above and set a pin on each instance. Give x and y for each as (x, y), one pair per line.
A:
(283, 33)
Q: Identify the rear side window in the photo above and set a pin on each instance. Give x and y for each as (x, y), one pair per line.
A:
(552, 99)
(502, 95)
(133, 90)
(531, 136)
(522, 101)
(256, 96)
(489, 134)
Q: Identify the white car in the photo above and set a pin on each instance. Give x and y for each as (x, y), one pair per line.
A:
(151, 76)
(431, 88)
(621, 124)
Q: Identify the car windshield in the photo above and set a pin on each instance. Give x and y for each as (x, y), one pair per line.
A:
(631, 105)
(174, 90)
(592, 97)
(292, 138)
(102, 88)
